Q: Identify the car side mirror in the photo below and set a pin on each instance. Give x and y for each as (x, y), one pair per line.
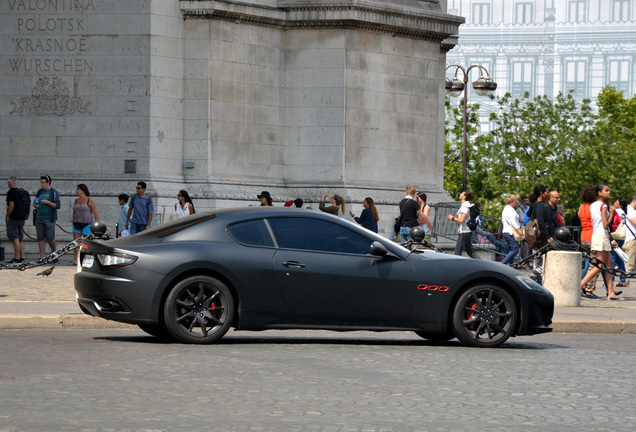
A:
(377, 249)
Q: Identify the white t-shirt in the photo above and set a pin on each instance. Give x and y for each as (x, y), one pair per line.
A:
(510, 219)
(183, 211)
(597, 219)
(631, 214)
(464, 208)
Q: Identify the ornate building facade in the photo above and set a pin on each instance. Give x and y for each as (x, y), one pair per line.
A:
(225, 99)
(544, 47)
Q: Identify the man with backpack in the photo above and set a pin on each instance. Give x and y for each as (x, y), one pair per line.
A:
(18, 210)
(467, 219)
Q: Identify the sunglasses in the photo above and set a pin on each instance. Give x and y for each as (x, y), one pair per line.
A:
(139, 187)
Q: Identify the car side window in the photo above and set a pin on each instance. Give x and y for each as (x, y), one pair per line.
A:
(317, 235)
(252, 233)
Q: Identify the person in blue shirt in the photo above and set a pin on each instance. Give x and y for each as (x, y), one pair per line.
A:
(47, 202)
(123, 213)
(369, 216)
(141, 209)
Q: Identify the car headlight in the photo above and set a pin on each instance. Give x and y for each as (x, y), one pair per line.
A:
(532, 285)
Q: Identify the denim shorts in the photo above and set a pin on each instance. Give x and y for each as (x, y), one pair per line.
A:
(45, 230)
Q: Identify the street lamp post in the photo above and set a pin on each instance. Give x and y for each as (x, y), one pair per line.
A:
(484, 86)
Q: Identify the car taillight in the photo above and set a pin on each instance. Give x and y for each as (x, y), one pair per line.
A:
(112, 260)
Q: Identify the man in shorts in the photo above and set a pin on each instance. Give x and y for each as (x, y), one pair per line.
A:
(47, 202)
(15, 225)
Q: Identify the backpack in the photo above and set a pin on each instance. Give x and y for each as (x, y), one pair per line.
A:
(534, 236)
(22, 205)
(473, 212)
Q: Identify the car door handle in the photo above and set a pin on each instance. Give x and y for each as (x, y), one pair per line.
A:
(293, 264)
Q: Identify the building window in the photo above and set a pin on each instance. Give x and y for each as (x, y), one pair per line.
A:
(481, 13)
(575, 75)
(576, 11)
(523, 13)
(522, 74)
(620, 10)
(618, 74)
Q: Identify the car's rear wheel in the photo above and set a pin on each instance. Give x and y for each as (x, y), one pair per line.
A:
(435, 337)
(199, 310)
(484, 316)
(156, 330)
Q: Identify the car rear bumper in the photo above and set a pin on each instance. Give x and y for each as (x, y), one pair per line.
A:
(119, 298)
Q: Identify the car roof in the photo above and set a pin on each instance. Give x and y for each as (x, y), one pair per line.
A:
(239, 213)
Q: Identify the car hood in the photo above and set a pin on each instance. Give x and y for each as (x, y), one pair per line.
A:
(462, 266)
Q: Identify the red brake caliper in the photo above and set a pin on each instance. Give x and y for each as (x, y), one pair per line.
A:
(470, 313)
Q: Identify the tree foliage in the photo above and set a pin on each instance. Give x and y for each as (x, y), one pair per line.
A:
(558, 142)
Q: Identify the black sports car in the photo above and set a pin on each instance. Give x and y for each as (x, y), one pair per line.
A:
(261, 268)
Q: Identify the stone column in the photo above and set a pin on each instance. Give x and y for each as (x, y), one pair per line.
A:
(562, 277)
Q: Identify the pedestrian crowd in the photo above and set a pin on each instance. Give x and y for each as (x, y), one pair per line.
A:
(135, 214)
(528, 223)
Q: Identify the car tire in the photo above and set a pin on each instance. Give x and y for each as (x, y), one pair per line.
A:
(156, 330)
(199, 310)
(484, 316)
(435, 337)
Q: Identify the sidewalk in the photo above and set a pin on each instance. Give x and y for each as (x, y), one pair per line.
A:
(28, 301)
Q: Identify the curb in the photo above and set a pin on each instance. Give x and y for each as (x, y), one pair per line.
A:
(58, 322)
(594, 327)
(86, 322)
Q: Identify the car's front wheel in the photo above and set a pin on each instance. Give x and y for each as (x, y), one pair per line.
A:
(484, 316)
(199, 310)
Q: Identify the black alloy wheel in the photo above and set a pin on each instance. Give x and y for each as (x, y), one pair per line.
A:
(484, 316)
(199, 310)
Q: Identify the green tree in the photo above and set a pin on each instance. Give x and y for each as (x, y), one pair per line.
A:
(612, 157)
(533, 141)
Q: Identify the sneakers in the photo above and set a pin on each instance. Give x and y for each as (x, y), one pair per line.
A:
(15, 261)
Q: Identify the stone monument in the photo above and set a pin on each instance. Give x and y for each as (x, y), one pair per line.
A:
(225, 99)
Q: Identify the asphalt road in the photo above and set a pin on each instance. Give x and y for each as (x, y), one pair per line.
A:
(122, 380)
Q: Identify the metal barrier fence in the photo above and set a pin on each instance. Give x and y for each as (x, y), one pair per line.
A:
(487, 237)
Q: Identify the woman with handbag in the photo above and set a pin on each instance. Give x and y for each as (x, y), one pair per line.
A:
(84, 210)
(511, 229)
(619, 216)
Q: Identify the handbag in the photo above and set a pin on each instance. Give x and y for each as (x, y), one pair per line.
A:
(619, 234)
(518, 237)
(533, 234)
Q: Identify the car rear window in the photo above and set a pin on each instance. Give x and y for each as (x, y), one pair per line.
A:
(252, 233)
